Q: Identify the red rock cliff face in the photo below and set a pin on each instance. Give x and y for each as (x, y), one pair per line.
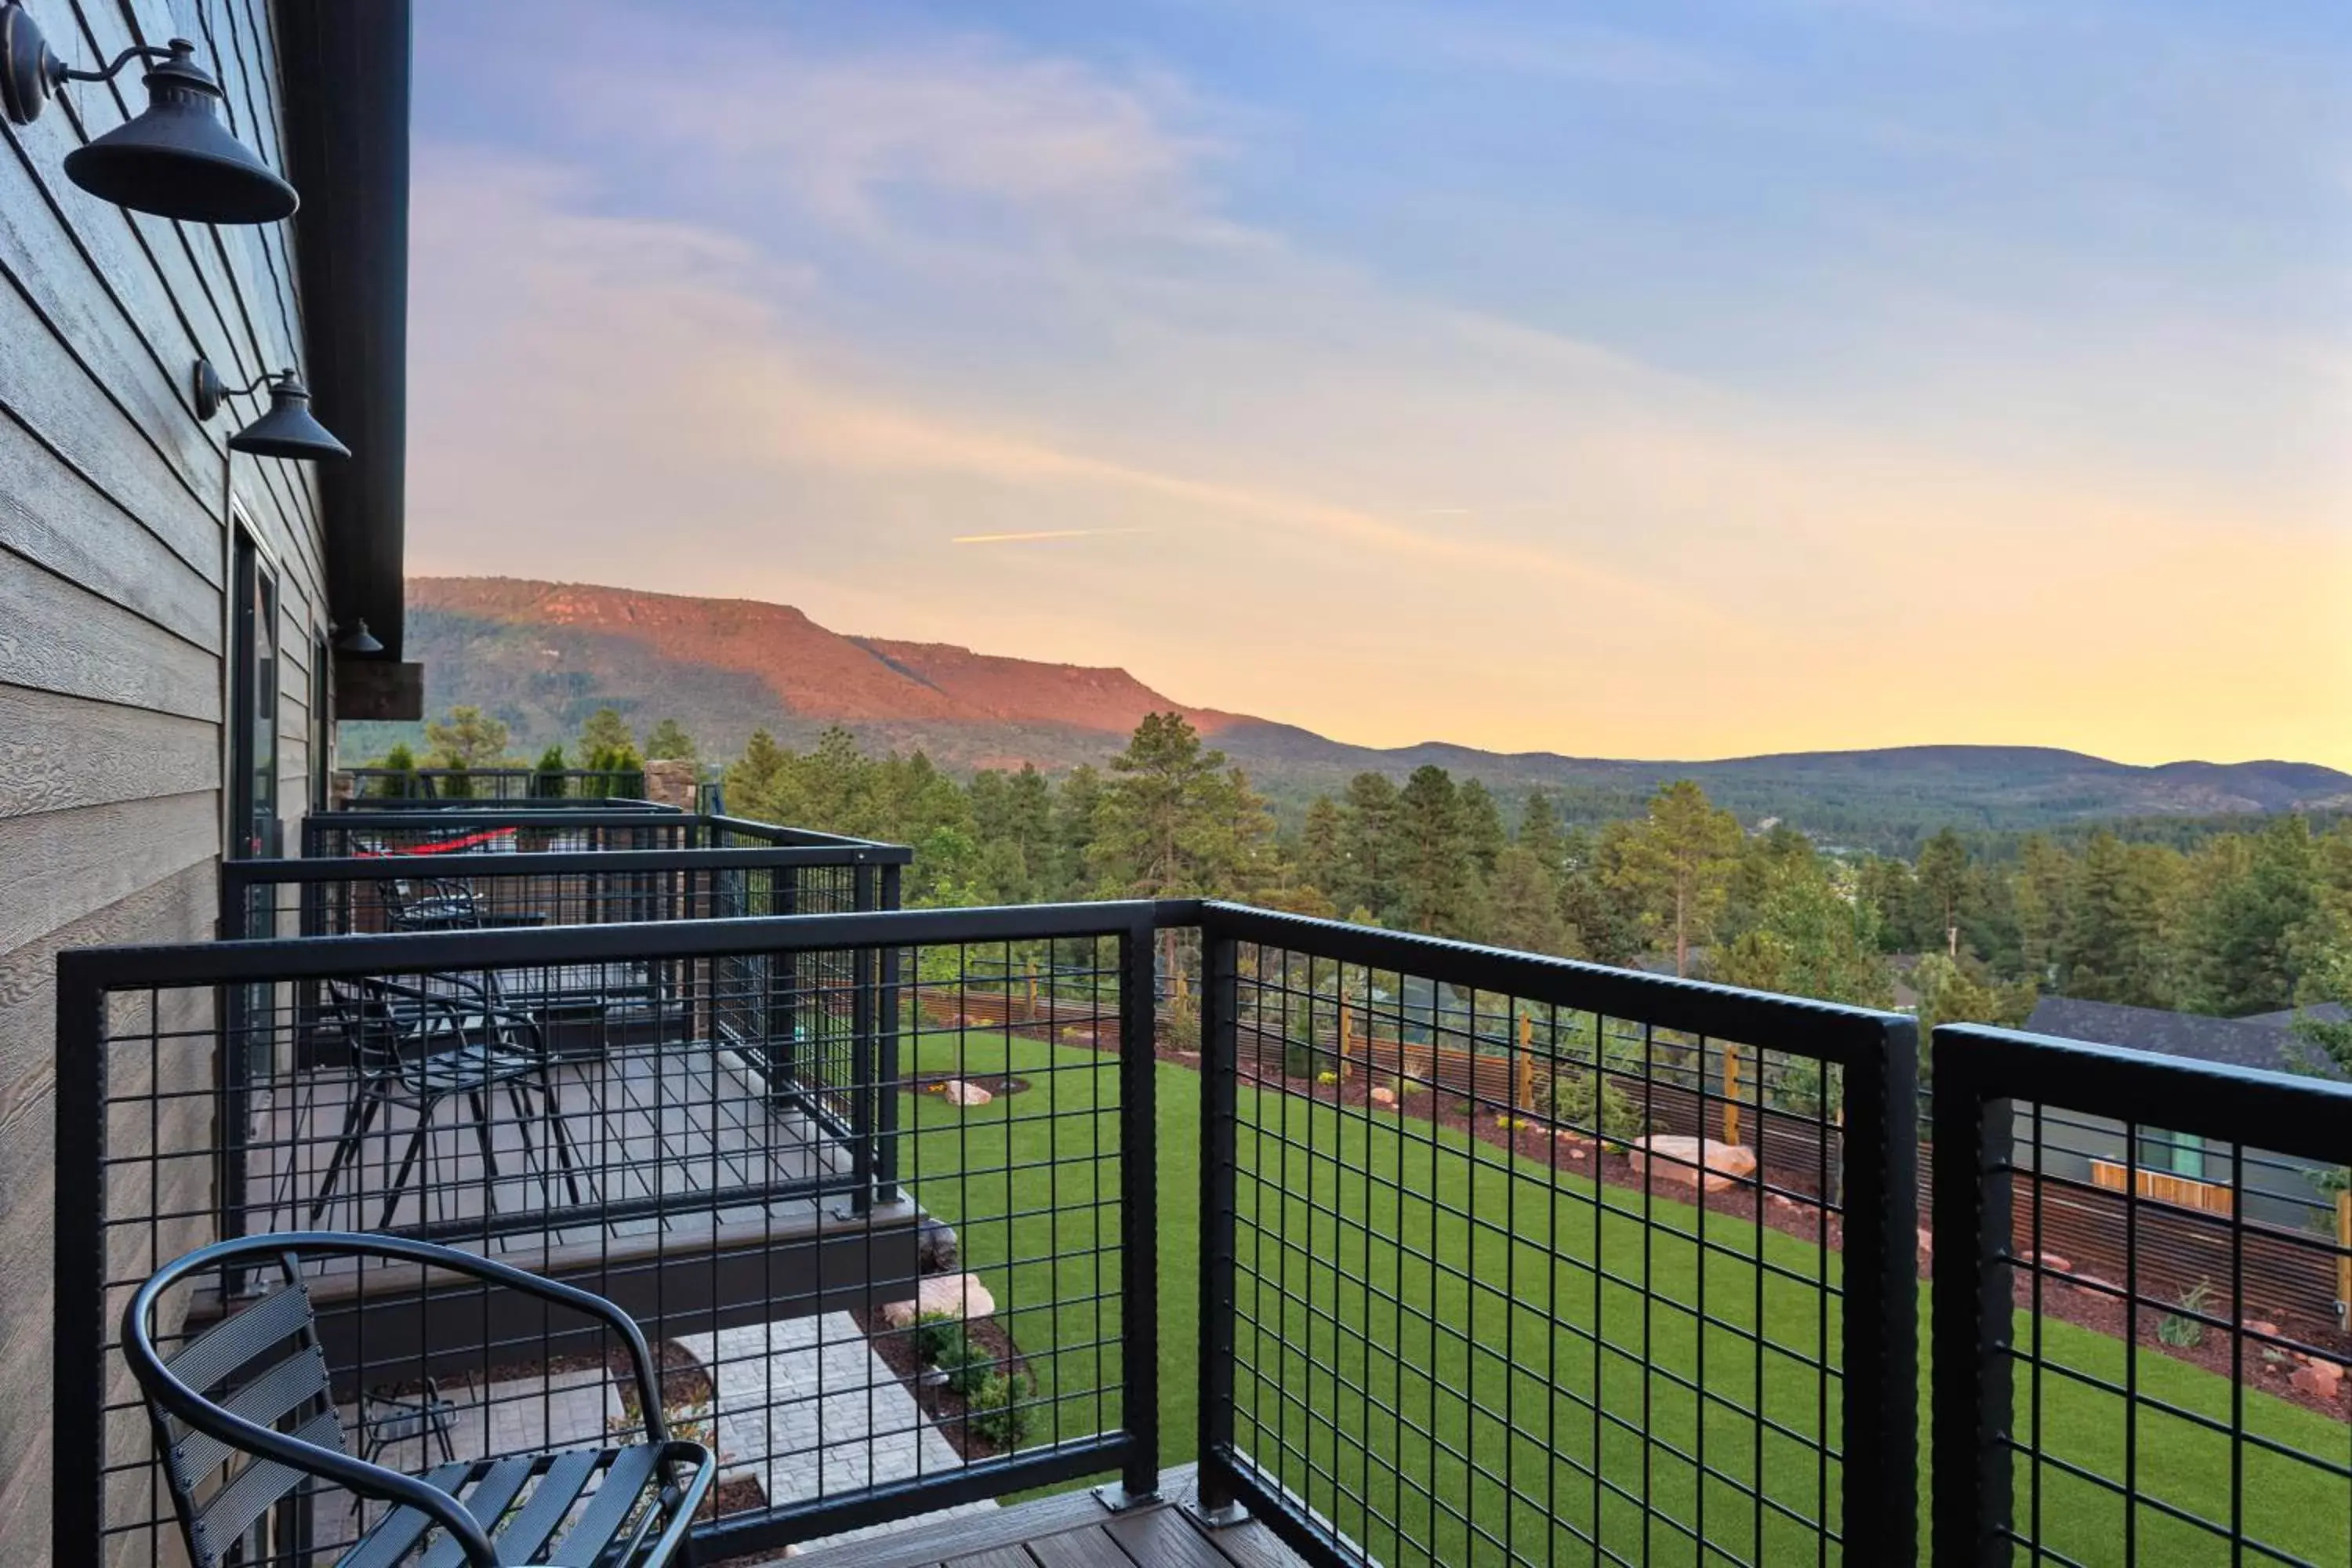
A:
(815, 672)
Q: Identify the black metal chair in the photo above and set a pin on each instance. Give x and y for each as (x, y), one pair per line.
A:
(245, 1420)
(426, 1045)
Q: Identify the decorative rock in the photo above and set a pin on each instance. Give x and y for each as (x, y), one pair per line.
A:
(2049, 1260)
(1679, 1160)
(1570, 1135)
(2261, 1326)
(935, 1245)
(2321, 1379)
(957, 1295)
(1927, 1241)
(959, 1092)
(1383, 1095)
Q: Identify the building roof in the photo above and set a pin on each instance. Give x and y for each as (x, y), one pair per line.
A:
(2264, 1041)
(345, 69)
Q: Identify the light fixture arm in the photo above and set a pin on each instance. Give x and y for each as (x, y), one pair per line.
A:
(208, 392)
(31, 74)
(61, 73)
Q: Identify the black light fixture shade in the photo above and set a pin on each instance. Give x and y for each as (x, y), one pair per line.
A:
(288, 430)
(176, 159)
(359, 639)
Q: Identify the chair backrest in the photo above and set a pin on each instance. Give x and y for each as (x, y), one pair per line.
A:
(263, 1364)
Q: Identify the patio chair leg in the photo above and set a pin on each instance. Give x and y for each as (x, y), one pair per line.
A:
(408, 1164)
(559, 1137)
(531, 1159)
(356, 1118)
(485, 1140)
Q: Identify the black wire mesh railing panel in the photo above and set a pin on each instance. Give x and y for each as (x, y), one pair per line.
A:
(1524, 1268)
(493, 829)
(2140, 1266)
(445, 786)
(925, 1306)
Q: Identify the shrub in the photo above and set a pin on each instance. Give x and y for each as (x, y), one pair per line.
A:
(935, 1334)
(1593, 1103)
(967, 1366)
(1300, 1060)
(2187, 1332)
(399, 780)
(1327, 1078)
(999, 1412)
(547, 782)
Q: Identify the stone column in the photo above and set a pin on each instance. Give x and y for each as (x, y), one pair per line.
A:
(670, 782)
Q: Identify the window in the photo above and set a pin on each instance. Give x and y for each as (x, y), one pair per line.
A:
(253, 705)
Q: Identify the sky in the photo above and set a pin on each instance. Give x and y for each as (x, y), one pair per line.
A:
(1663, 379)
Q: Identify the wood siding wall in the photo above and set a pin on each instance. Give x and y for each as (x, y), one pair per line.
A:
(113, 615)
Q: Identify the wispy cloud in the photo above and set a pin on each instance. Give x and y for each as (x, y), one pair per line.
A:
(1046, 534)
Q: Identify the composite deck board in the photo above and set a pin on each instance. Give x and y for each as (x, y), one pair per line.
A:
(668, 1121)
(1071, 1529)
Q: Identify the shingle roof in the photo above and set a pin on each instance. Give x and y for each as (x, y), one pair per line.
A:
(2257, 1042)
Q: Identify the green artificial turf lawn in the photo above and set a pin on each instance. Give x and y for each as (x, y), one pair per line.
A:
(1370, 1249)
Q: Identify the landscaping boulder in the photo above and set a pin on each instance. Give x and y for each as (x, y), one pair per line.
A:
(2049, 1260)
(959, 1092)
(2320, 1379)
(957, 1295)
(1678, 1159)
(935, 1245)
(1383, 1096)
(2263, 1327)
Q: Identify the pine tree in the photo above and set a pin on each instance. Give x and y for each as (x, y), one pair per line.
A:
(669, 740)
(1677, 865)
(1433, 866)
(1524, 907)
(1481, 826)
(1323, 846)
(468, 737)
(1539, 834)
(1369, 813)
(1074, 810)
(1943, 875)
(603, 731)
(754, 782)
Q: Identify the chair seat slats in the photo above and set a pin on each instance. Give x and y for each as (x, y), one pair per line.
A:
(204, 1362)
(616, 1497)
(259, 1486)
(558, 1489)
(391, 1540)
(488, 1501)
(266, 1400)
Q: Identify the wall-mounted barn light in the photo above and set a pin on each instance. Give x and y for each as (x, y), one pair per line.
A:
(174, 160)
(288, 430)
(359, 640)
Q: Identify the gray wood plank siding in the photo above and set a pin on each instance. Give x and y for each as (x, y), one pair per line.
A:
(114, 612)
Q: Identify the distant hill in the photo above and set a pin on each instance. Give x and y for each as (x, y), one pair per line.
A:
(542, 656)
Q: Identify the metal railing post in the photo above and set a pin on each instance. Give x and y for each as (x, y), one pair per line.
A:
(1880, 1180)
(1138, 1207)
(861, 1019)
(783, 976)
(885, 1086)
(1219, 1181)
(79, 1366)
(1971, 1374)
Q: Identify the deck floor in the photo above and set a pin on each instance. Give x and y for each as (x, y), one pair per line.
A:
(642, 1123)
(1073, 1529)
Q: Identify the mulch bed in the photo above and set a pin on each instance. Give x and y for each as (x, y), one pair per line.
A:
(945, 1407)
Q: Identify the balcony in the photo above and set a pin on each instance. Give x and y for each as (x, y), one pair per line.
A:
(1371, 1240)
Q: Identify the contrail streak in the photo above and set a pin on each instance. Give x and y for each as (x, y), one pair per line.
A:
(1049, 533)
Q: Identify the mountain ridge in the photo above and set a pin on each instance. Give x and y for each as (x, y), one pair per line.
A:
(542, 655)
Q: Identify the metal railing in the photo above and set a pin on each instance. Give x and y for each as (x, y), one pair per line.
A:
(2069, 1424)
(460, 786)
(1459, 1299)
(763, 1258)
(1452, 1310)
